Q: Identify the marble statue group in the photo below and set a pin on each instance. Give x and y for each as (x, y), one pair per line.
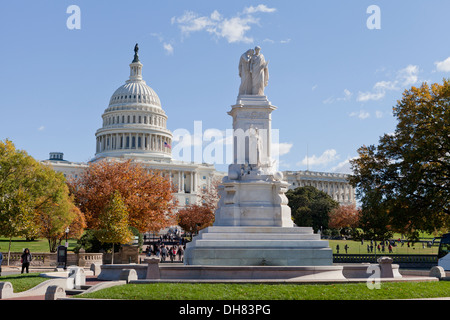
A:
(254, 72)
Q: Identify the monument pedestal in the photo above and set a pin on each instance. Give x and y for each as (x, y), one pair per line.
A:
(258, 246)
(253, 225)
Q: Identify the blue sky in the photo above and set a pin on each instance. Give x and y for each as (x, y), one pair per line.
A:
(333, 80)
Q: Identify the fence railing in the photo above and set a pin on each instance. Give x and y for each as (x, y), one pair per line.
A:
(404, 260)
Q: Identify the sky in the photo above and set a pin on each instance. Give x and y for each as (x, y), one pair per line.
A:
(337, 68)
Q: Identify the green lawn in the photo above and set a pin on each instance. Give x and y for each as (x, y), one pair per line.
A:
(355, 247)
(39, 245)
(23, 282)
(355, 291)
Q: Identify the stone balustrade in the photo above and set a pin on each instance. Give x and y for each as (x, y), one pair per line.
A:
(50, 259)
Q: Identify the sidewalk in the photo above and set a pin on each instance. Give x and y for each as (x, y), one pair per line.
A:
(90, 280)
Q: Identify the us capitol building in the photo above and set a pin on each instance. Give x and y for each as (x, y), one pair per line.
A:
(135, 127)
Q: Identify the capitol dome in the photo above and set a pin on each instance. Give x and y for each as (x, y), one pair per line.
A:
(138, 92)
(134, 124)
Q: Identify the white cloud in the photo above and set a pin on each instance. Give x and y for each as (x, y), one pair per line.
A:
(233, 29)
(385, 85)
(326, 157)
(366, 96)
(259, 8)
(41, 128)
(273, 41)
(269, 40)
(168, 47)
(280, 149)
(408, 76)
(328, 100)
(347, 95)
(343, 167)
(404, 78)
(443, 66)
(378, 114)
(361, 114)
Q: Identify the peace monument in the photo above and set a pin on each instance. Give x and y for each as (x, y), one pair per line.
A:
(253, 224)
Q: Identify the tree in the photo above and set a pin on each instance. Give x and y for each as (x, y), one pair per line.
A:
(17, 170)
(29, 189)
(54, 218)
(408, 173)
(344, 217)
(113, 223)
(147, 195)
(197, 216)
(310, 207)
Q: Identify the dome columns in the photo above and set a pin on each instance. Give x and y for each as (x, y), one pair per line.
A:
(133, 140)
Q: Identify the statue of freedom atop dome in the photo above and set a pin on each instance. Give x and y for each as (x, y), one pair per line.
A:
(136, 55)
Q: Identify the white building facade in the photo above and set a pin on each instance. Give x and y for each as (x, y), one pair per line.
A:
(336, 185)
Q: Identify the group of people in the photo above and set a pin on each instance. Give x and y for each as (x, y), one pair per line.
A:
(25, 260)
(346, 247)
(160, 250)
(380, 247)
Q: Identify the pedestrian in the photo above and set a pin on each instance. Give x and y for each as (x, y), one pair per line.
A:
(346, 248)
(337, 248)
(1, 260)
(180, 253)
(26, 259)
(171, 255)
(163, 253)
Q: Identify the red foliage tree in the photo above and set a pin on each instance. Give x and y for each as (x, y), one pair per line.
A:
(200, 215)
(344, 216)
(147, 195)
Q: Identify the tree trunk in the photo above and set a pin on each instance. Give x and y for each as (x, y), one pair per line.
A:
(9, 249)
(112, 256)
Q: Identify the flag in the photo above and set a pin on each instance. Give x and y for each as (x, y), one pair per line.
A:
(167, 145)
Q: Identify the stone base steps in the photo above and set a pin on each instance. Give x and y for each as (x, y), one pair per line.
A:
(256, 246)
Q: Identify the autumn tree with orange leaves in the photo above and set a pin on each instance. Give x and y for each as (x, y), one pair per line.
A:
(147, 195)
(344, 217)
(200, 215)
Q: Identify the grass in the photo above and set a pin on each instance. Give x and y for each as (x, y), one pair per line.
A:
(38, 245)
(203, 291)
(355, 247)
(23, 282)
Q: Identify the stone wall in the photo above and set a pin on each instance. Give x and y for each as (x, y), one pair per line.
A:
(126, 254)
